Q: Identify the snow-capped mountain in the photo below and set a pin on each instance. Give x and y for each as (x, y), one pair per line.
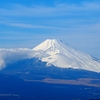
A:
(57, 53)
(52, 65)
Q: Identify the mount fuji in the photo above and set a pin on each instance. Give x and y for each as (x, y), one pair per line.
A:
(51, 67)
(57, 53)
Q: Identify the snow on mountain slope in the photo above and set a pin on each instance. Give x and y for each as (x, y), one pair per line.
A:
(60, 54)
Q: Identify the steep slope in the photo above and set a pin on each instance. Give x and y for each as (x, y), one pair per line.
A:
(57, 53)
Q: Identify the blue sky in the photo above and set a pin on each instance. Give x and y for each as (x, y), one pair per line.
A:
(26, 23)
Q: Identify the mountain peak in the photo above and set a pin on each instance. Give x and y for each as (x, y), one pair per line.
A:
(49, 43)
(52, 40)
(60, 54)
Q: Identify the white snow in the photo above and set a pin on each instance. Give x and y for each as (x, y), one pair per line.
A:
(60, 54)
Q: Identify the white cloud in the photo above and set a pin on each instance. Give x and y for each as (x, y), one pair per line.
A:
(13, 55)
(2, 63)
(57, 10)
(23, 25)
